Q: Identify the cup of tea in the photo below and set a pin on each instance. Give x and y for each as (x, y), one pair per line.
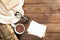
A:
(19, 28)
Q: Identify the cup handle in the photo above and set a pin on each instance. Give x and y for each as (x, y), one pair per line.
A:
(13, 25)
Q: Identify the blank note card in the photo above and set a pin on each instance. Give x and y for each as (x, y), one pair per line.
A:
(37, 29)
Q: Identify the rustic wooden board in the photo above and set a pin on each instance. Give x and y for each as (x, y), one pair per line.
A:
(48, 36)
(45, 12)
(45, 18)
(41, 8)
(36, 8)
(42, 1)
(48, 14)
(53, 28)
(52, 36)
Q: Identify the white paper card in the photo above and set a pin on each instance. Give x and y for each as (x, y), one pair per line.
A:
(37, 29)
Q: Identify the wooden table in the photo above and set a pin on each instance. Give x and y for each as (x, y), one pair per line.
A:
(44, 12)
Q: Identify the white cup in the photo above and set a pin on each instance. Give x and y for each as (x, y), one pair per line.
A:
(15, 26)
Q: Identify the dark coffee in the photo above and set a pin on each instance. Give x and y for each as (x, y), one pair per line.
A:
(19, 28)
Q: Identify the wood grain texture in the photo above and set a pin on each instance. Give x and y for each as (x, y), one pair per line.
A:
(49, 36)
(42, 8)
(53, 28)
(36, 8)
(42, 1)
(45, 13)
(45, 18)
(52, 36)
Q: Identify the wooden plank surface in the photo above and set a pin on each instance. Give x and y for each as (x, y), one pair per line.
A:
(48, 12)
(45, 13)
(42, 1)
(36, 8)
(52, 36)
(53, 28)
(45, 18)
(49, 36)
(41, 8)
